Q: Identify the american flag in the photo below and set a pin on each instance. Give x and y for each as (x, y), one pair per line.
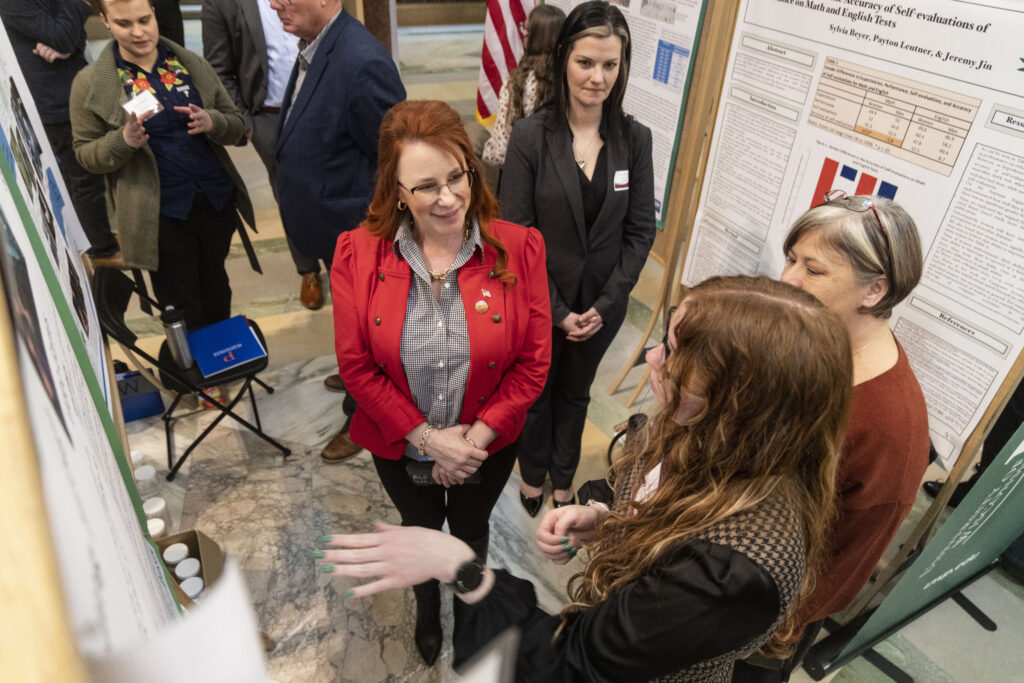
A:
(503, 46)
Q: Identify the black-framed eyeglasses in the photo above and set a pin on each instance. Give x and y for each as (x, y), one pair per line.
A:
(859, 204)
(456, 183)
(668, 324)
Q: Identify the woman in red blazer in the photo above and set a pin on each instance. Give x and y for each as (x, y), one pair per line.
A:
(443, 333)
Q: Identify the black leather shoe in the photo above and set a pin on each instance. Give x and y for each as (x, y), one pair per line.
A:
(932, 488)
(532, 505)
(559, 504)
(428, 620)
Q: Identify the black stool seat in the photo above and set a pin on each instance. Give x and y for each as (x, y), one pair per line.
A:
(113, 291)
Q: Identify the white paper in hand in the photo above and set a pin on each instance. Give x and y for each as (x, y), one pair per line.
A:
(143, 105)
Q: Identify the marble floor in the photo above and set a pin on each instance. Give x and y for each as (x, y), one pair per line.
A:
(266, 511)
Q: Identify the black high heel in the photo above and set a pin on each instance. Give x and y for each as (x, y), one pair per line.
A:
(428, 620)
(532, 505)
(559, 504)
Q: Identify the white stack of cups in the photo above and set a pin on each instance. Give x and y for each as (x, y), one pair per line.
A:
(156, 508)
(145, 481)
(186, 569)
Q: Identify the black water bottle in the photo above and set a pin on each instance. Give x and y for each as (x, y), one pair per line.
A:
(177, 337)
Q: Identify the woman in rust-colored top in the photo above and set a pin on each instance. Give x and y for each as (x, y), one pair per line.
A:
(861, 256)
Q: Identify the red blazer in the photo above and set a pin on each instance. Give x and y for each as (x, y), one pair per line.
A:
(510, 343)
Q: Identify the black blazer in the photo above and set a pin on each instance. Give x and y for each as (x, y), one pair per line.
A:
(236, 48)
(540, 188)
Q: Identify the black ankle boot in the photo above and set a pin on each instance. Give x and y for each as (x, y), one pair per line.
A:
(428, 620)
(479, 546)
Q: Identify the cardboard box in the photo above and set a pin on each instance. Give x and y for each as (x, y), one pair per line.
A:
(204, 549)
(139, 398)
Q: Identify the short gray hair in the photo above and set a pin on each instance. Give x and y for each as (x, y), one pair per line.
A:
(892, 252)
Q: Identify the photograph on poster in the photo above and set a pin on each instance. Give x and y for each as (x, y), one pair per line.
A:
(31, 141)
(919, 107)
(47, 223)
(23, 313)
(21, 159)
(78, 304)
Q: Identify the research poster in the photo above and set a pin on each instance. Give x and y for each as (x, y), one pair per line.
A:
(114, 585)
(664, 35)
(38, 179)
(921, 103)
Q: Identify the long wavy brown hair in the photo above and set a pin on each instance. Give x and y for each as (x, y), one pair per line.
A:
(437, 124)
(542, 27)
(773, 370)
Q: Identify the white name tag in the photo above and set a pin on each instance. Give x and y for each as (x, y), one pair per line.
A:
(143, 105)
(621, 181)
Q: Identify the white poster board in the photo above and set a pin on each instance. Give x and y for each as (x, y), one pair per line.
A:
(920, 103)
(114, 584)
(663, 34)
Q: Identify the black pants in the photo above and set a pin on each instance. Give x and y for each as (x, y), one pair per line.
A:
(746, 672)
(551, 439)
(191, 275)
(264, 132)
(88, 194)
(467, 507)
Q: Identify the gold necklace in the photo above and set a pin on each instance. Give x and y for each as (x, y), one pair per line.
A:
(441, 275)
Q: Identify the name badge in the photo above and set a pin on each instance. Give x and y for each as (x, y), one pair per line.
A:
(143, 105)
(621, 181)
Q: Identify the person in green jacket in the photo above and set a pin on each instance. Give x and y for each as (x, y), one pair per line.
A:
(153, 118)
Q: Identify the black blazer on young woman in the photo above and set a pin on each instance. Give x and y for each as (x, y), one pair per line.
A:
(540, 188)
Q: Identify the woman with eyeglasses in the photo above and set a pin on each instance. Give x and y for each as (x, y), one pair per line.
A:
(442, 332)
(580, 171)
(719, 517)
(861, 256)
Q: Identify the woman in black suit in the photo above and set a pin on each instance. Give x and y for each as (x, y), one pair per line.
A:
(580, 171)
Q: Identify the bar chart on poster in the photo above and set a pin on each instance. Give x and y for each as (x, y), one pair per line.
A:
(924, 106)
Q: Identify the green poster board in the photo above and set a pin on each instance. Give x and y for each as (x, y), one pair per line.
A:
(977, 532)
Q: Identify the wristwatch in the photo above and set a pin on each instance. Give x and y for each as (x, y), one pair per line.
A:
(468, 577)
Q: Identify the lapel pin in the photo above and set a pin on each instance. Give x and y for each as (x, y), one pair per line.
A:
(481, 306)
(485, 293)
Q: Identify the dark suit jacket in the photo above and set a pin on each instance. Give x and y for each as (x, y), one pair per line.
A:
(510, 342)
(59, 24)
(234, 45)
(327, 144)
(540, 187)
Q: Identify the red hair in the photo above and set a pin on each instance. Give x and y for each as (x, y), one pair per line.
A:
(437, 124)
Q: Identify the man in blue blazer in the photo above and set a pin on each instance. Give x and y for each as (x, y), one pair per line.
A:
(341, 86)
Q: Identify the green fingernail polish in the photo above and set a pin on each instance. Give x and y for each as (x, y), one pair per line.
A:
(348, 594)
(326, 568)
(323, 539)
(568, 548)
(572, 553)
(319, 554)
(563, 539)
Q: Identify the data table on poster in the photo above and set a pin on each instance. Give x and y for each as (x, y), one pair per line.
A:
(914, 121)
